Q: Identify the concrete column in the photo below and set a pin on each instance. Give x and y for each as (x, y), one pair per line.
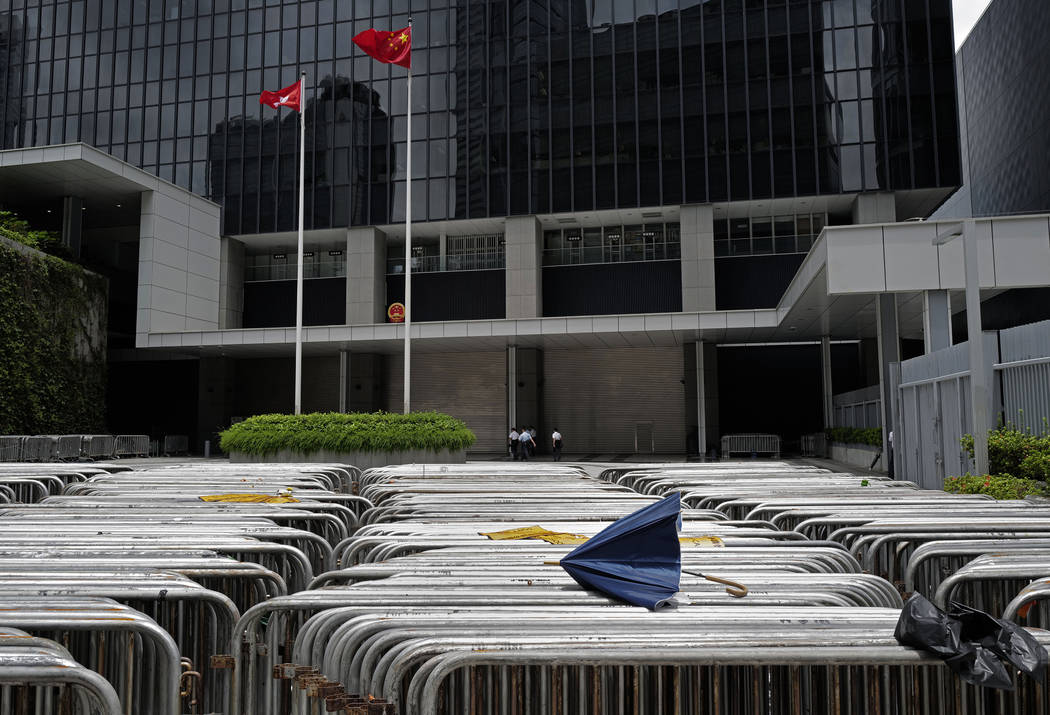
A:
(524, 246)
(701, 395)
(936, 320)
(360, 382)
(72, 223)
(828, 388)
(231, 284)
(698, 257)
(365, 276)
(874, 208)
(443, 251)
(889, 352)
(344, 380)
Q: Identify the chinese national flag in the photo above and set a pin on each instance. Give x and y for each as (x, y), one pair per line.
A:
(288, 97)
(390, 47)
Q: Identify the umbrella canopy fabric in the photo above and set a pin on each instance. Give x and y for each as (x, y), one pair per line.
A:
(637, 558)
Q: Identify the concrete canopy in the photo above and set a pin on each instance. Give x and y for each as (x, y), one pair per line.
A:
(833, 294)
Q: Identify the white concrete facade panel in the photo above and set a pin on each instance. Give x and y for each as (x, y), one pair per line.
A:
(180, 256)
(856, 260)
(1027, 262)
(911, 257)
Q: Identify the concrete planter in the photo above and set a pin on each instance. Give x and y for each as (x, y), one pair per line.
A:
(857, 455)
(361, 460)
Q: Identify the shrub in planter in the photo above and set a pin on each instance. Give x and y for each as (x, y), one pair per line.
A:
(853, 435)
(338, 432)
(998, 486)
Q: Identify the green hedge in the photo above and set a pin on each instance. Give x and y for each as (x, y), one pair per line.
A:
(854, 435)
(999, 486)
(337, 432)
(52, 339)
(1013, 452)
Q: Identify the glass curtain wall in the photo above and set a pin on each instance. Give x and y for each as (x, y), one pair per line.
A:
(518, 106)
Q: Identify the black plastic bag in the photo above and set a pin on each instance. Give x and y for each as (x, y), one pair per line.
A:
(923, 625)
(971, 642)
(1007, 639)
(979, 666)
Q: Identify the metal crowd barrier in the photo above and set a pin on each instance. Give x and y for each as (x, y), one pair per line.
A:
(751, 444)
(38, 675)
(98, 446)
(68, 447)
(934, 561)
(131, 445)
(11, 448)
(139, 659)
(38, 448)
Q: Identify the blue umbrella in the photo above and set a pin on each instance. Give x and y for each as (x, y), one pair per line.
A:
(637, 558)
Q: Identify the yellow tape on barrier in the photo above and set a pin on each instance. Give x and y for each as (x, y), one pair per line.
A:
(248, 499)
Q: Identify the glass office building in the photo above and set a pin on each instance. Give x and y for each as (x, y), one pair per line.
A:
(602, 119)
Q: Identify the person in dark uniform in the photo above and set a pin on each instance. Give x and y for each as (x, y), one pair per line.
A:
(556, 444)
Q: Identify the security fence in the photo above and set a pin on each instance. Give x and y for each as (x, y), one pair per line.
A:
(933, 400)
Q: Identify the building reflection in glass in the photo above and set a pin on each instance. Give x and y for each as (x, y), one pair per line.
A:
(254, 164)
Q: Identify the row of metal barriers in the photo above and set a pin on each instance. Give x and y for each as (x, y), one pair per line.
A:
(449, 598)
(72, 447)
(122, 589)
(970, 548)
(308, 589)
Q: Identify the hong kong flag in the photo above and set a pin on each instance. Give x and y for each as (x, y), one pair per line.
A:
(288, 97)
(390, 47)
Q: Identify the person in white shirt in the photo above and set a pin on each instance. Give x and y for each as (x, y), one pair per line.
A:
(512, 440)
(556, 444)
(526, 441)
(532, 444)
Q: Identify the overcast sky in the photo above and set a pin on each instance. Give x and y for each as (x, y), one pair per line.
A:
(966, 13)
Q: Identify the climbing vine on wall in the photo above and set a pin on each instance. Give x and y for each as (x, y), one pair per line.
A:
(52, 344)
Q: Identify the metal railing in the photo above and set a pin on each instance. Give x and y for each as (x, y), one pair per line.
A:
(487, 261)
(754, 444)
(861, 409)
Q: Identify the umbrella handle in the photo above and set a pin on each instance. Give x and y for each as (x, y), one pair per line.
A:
(734, 589)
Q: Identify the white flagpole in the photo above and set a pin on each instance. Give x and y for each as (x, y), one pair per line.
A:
(299, 273)
(408, 247)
